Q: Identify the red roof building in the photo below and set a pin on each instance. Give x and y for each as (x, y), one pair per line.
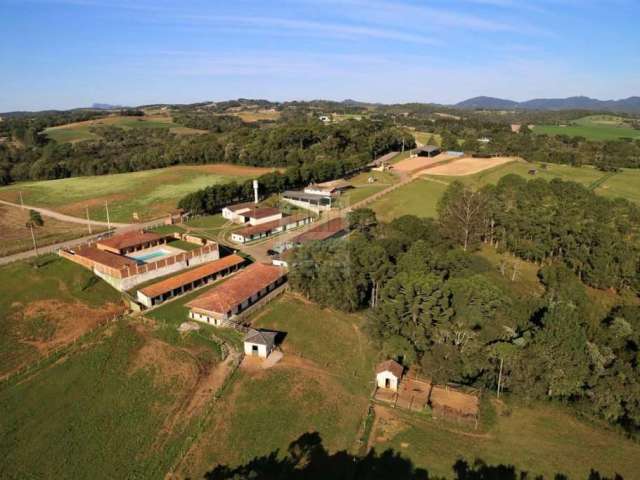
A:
(232, 297)
(128, 242)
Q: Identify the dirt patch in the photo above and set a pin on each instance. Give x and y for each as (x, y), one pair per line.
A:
(166, 362)
(415, 164)
(468, 166)
(454, 402)
(385, 427)
(48, 324)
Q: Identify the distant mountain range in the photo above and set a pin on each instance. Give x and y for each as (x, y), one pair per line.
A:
(105, 106)
(625, 105)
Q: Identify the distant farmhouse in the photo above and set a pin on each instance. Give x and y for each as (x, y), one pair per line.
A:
(223, 304)
(129, 259)
(317, 197)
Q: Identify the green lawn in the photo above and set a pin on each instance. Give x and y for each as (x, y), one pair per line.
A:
(419, 198)
(542, 440)
(149, 193)
(98, 414)
(624, 184)
(425, 137)
(594, 127)
(311, 328)
(79, 131)
(45, 299)
(324, 390)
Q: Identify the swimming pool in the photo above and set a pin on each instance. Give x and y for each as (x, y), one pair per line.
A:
(151, 256)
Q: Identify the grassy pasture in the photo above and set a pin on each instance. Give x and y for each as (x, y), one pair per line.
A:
(539, 439)
(47, 307)
(99, 413)
(423, 137)
(76, 132)
(16, 237)
(593, 127)
(421, 196)
(150, 193)
(321, 384)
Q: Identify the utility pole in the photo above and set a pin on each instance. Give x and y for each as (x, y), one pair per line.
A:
(21, 201)
(500, 377)
(89, 222)
(33, 237)
(106, 206)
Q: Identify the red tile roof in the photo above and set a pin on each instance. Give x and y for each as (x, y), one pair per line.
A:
(107, 259)
(240, 206)
(268, 226)
(130, 239)
(197, 273)
(390, 366)
(237, 289)
(258, 213)
(322, 231)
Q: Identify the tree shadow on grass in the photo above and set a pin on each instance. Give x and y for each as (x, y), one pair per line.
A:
(307, 459)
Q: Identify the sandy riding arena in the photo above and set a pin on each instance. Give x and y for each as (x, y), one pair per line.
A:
(468, 166)
(414, 164)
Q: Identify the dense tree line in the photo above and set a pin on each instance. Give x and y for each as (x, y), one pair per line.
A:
(118, 150)
(540, 221)
(430, 302)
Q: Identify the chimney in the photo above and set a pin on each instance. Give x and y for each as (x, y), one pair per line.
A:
(255, 191)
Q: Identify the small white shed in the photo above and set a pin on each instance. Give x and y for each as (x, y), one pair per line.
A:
(259, 343)
(388, 374)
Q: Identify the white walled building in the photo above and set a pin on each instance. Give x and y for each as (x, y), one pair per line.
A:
(388, 375)
(259, 343)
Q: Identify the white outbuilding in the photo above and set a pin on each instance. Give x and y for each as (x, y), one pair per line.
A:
(388, 375)
(259, 343)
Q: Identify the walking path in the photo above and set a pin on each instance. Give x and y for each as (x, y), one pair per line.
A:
(61, 216)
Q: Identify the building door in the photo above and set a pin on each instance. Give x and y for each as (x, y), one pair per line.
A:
(387, 383)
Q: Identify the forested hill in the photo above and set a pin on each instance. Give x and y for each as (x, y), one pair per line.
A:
(625, 105)
(431, 298)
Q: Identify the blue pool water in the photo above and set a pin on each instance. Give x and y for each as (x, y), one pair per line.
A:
(151, 256)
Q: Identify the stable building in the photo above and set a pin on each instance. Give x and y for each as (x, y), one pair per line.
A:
(220, 305)
(332, 188)
(311, 201)
(233, 212)
(335, 227)
(426, 151)
(388, 375)
(128, 242)
(259, 343)
(268, 229)
(159, 292)
(259, 216)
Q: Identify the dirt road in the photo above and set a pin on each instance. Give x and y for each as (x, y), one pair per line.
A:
(61, 216)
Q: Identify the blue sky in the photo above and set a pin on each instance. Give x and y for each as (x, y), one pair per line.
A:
(70, 53)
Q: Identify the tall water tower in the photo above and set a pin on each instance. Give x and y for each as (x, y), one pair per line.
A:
(255, 191)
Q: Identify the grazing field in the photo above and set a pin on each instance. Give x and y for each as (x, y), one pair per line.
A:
(421, 197)
(149, 193)
(16, 237)
(625, 184)
(593, 127)
(325, 390)
(106, 411)
(539, 439)
(78, 131)
(251, 116)
(44, 308)
(426, 138)
(363, 189)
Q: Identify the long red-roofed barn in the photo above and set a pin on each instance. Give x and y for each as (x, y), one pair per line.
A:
(165, 289)
(222, 303)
